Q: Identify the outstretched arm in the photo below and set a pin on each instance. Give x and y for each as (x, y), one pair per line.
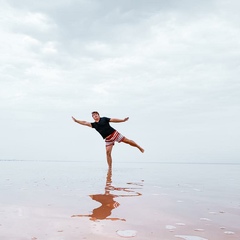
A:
(116, 120)
(85, 123)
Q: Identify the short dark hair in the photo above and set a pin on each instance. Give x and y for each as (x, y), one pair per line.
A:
(95, 112)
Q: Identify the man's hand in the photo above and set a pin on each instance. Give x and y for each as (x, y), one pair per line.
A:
(74, 119)
(118, 120)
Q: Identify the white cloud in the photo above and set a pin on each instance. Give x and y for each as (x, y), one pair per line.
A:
(169, 65)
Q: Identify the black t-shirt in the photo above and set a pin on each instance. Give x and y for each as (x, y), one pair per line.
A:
(103, 127)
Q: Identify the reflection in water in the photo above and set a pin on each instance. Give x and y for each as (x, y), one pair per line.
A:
(107, 200)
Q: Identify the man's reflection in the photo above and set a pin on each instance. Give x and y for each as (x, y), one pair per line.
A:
(107, 200)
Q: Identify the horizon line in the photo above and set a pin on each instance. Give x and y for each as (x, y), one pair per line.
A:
(160, 162)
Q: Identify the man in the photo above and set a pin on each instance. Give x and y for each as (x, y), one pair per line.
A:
(101, 124)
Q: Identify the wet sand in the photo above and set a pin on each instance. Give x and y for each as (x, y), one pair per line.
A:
(81, 200)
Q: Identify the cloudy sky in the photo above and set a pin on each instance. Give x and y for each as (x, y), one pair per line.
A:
(172, 66)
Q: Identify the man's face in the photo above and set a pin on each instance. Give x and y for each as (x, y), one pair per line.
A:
(96, 117)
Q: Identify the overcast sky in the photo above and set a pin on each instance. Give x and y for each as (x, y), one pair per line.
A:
(172, 66)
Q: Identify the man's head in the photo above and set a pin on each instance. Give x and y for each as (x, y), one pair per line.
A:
(95, 116)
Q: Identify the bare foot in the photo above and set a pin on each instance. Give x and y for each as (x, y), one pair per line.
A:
(141, 149)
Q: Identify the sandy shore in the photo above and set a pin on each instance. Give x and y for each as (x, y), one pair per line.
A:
(80, 200)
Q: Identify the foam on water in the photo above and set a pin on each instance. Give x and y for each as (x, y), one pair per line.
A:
(197, 190)
(229, 233)
(127, 233)
(186, 237)
(205, 219)
(180, 224)
(199, 230)
(170, 227)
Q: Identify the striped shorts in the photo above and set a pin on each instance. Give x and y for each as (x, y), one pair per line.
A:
(114, 137)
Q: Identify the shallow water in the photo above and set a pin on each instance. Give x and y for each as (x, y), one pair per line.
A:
(83, 200)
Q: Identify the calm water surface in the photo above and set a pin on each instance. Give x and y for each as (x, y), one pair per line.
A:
(153, 199)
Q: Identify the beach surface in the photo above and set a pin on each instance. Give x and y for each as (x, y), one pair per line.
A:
(43, 200)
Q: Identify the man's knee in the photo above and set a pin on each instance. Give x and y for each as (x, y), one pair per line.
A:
(108, 150)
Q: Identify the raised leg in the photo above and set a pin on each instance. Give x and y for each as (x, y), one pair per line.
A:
(132, 143)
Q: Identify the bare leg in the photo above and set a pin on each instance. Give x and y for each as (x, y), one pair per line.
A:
(109, 156)
(132, 143)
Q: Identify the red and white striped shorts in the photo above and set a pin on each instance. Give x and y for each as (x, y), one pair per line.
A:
(114, 137)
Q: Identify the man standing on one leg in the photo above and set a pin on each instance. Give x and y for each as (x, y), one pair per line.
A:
(101, 124)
